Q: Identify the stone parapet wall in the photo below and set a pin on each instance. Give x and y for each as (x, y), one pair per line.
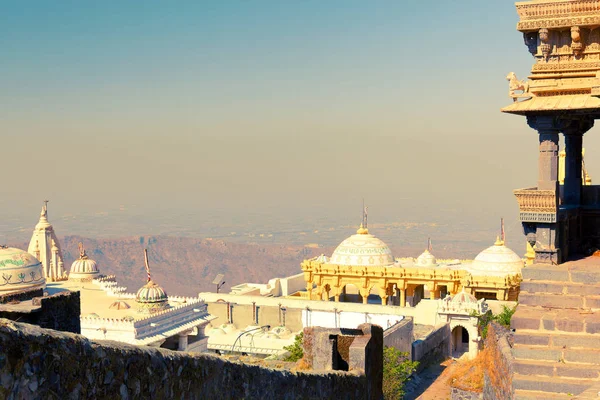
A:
(41, 363)
(497, 379)
(434, 347)
(20, 296)
(461, 394)
(400, 336)
(59, 311)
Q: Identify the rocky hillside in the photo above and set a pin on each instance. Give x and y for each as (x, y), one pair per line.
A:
(185, 266)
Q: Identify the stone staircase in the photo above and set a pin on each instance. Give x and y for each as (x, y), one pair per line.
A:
(557, 330)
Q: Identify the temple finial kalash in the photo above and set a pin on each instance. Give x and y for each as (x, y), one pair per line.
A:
(363, 229)
(151, 297)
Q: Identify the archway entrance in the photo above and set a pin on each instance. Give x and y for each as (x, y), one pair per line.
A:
(460, 341)
(374, 297)
(350, 294)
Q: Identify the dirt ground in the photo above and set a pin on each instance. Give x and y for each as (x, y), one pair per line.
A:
(431, 383)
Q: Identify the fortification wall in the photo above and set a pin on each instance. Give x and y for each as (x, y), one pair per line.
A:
(434, 347)
(59, 311)
(41, 363)
(497, 381)
(400, 335)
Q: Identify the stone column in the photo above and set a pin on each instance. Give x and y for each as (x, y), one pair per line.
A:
(572, 186)
(183, 342)
(402, 297)
(548, 130)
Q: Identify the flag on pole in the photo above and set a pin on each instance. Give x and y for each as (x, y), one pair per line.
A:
(429, 247)
(502, 229)
(147, 265)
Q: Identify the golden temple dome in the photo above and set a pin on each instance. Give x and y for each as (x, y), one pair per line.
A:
(426, 259)
(362, 249)
(84, 268)
(19, 271)
(497, 260)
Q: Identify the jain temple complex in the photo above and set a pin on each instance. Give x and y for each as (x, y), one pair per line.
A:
(429, 307)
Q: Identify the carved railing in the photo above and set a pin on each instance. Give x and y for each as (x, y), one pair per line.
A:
(532, 14)
(536, 205)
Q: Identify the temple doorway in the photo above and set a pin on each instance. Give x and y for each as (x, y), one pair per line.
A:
(460, 342)
(419, 295)
(350, 294)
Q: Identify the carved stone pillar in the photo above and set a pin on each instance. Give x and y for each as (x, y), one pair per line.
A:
(402, 297)
(574, 131)
(548, 130)
(183, 342)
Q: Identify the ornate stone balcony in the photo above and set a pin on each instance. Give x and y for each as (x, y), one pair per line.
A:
(536, 205)
(557, 14)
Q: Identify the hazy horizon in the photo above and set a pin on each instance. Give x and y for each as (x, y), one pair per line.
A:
(190, 116)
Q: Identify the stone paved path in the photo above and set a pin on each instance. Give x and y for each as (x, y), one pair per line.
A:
(431, 384)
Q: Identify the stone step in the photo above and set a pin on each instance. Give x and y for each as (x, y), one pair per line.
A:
(546, 272)
(554, 340)
(591, 357)
(555, 320)
(568, 386)
(559, 300)
(521, 394)
(582, 271)
(545, 286)
(555, 369)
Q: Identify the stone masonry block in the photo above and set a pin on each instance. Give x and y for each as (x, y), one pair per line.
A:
(545, 273)
(582, 356)
(586, 276)
(529, 353)
(583, 290)
(592, 323)
(576, 371)
(551, 300)
(528, 368)
(536, 340)
(542, 287)
(592, 302)
(576, 341)
(574, 324)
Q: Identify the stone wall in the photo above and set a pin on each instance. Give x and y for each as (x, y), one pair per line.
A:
(242, 315)
(497, 380)
(344, 349)
(434, 347)
(59, 312)
(41, 363)
(21, 295)
(461, 394)
(400, 335)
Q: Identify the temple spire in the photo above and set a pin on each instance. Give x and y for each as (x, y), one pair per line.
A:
(147, 264)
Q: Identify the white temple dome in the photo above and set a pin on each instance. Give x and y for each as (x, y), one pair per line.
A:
(464, 297)
(84, 268)
(497, 260)
(362, 249)
(19, 271)
(426, 259)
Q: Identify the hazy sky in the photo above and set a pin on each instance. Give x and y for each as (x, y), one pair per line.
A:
(284, 107)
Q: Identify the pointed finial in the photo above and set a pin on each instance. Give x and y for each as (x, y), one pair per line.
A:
(147, 265)
(498, 241)
(44, 212)
(82, 254)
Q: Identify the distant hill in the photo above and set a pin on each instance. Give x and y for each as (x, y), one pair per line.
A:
(186, 266)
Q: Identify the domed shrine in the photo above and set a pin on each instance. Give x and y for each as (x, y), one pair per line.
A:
(19, 271)
(362, 249)
(365, 264)
(497, 260)
(84, 268)
(151, 298)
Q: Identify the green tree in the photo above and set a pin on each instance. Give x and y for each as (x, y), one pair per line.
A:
(296, 349)
(505, 316)
(397, 368)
